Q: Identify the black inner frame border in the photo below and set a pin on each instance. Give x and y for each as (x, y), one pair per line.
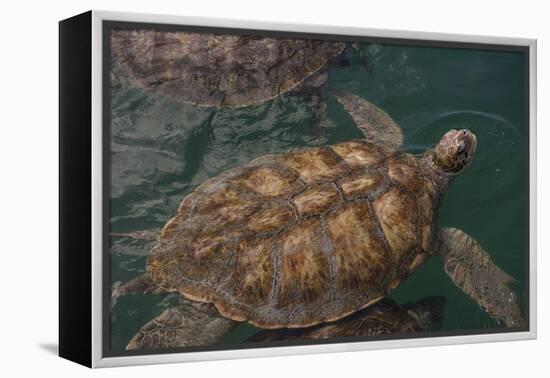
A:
(109, 25)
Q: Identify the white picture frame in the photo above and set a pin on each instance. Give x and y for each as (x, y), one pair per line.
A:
(98, 358)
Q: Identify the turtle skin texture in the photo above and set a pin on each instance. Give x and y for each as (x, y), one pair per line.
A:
(216, 70)
(294, 240)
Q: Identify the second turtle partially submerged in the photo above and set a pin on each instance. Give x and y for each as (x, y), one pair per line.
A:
(385, 317)
(218, 70)
(311, 236)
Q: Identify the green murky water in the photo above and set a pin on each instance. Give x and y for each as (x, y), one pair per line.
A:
(162, 150)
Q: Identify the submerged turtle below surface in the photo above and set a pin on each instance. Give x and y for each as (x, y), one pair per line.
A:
(385, 317)
(314, 235)
(219, 70)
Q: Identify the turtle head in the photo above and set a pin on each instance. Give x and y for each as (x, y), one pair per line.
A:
(455, 150)
(428, 312)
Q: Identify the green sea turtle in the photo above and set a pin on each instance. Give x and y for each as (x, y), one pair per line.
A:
(221, 70)
(384, 317)
(314, 235)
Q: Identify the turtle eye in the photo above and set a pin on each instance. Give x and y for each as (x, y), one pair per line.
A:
(461, 148)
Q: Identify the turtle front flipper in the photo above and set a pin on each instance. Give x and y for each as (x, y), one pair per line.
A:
(473, 271)
(189, 324)
(377, 126)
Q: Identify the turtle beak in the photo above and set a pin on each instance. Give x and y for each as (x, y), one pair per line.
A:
(470, 140)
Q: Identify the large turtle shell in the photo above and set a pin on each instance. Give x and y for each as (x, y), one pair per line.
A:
(214, 70)
(297, 239)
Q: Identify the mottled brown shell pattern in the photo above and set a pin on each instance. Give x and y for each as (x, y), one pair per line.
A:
(298, 239)
(216, 70)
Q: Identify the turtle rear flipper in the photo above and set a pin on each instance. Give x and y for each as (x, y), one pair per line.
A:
(140, 285)
(189, 324)
(377, 125)
(473, 271)
(145, 235)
